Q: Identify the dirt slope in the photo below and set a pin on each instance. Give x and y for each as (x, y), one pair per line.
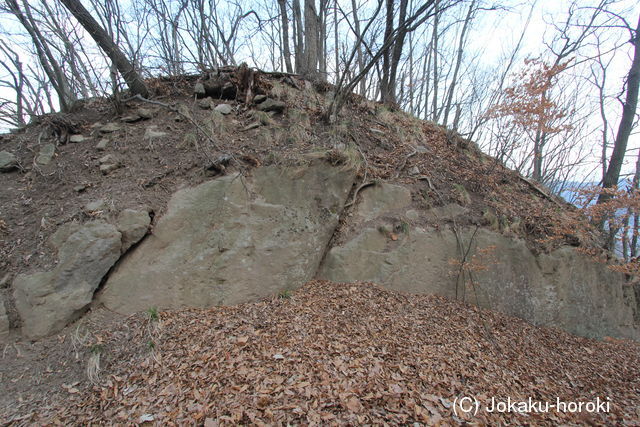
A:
(335, 354)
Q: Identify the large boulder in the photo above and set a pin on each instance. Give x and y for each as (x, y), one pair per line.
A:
(233, 239)
(47, 301)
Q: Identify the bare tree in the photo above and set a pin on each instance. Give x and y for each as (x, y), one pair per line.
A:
(629, 107)
(125, 67)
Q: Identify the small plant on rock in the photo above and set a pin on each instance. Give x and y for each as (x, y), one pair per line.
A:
(153, 314)
(286, 294)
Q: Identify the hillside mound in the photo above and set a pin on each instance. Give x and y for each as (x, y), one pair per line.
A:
(107, 156)
(111, 156)
(333, 354)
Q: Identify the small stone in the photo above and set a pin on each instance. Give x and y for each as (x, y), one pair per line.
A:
(413, 214)
(199, 90)
(223, 109)
(151, 133)
(205, 103)
(106, 169)
(272, 105)
(8, 161)
(414, 171)
(259, 98)
(377, 131)
(79, 188)
(110, 127)
(133, 224)
(131, 118)
(76, 138)
(95, 206)
(251, 126)
(145, 113)
(102, 144)
(46, 154)
(109, 158)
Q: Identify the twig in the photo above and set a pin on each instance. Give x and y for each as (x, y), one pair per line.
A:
(426, 178)
(355, 195)
(364, 178)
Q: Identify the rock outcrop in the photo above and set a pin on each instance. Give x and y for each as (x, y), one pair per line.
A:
(47, 301)
(240, 238)
(233, 239)
(563, 289)
(8, 161)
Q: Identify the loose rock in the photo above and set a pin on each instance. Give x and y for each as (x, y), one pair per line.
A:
(259, 98)
(110, 127)
(8, 161)
(95, 206)
(102, 144)
(46, 154)
(224, 109)
(271, 105)
(205, 103)
(47, 301)
(133, 225)
(76, 138)
(108, 168)
(152, 133)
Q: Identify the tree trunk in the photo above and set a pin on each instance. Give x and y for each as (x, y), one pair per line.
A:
(396, 53)
(456, 70)
(386, 56)
(298, 34)
(54, 72)
(131, 76)
(626, 122)
(311, 34)
(285, 35)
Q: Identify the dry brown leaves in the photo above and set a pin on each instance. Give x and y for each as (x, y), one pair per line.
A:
(354, 354)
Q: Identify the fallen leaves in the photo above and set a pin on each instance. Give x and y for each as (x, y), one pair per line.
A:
(351, 354)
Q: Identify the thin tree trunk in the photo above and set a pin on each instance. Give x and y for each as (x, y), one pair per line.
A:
(49, 64)
(310, 66)
(298, 37)
(359, 58)
(396, 53)
(285, 35)
(124, 66)
(626, 122)
(454, 79)
(434, 45)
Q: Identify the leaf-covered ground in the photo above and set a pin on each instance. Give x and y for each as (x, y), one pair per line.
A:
(345, 353)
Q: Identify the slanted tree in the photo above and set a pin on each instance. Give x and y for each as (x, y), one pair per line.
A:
(126, 69)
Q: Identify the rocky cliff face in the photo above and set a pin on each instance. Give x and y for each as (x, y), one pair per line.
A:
(562, 289)
(240, 238)
(234, 239)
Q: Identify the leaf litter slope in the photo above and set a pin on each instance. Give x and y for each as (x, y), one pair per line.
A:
(349, 353)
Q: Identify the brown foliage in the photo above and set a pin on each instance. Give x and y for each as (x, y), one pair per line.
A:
(528, 103)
